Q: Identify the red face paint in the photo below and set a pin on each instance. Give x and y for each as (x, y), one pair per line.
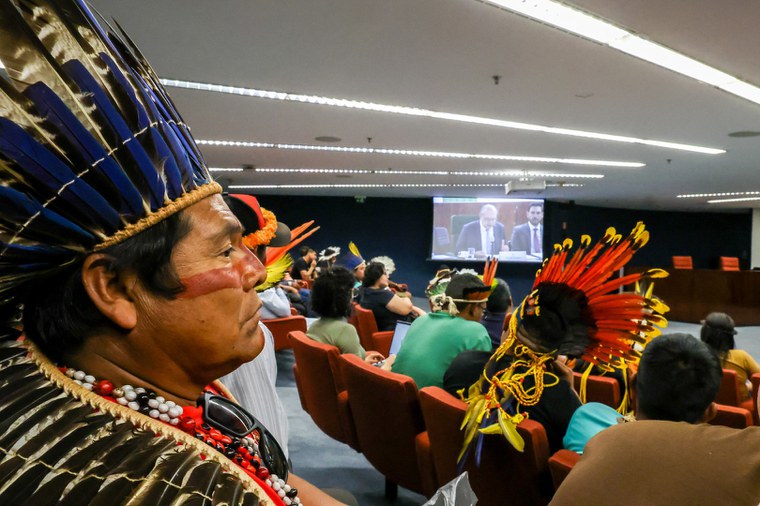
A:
(210, 281)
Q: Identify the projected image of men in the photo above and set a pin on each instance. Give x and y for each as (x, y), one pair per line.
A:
(528, 237)
(485, 236)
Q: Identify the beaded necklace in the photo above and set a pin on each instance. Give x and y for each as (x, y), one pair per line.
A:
(243, 451)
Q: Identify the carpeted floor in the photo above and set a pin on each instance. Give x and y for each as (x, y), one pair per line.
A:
(328, 463)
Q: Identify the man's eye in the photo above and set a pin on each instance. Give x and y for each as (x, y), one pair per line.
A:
(228, 252)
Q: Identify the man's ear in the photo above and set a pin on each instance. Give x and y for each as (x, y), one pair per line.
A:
(111, 292)
(709, 414)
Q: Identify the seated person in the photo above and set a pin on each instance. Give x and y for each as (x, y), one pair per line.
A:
(677, 380)
(498, 306)
(559, 401)
(434, 340)
(331, 299)
(704, 464)
(387, 307)
(305, 266)
(353, 261)
(292, 289)
(401, 289)
(326, 259)
(718, 331)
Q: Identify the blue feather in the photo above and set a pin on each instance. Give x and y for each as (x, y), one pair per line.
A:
(111, 119)
(48, 170)
(172, 174)
(55, 111)
(18, 209)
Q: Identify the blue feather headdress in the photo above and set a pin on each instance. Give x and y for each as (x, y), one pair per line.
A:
(92, 150)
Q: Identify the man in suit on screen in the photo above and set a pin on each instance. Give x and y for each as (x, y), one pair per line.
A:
(529, 236)
(485, 235)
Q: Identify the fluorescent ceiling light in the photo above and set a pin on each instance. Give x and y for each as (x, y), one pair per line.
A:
(408, 152)
(1, 65)
(225, 169)
(591, 27)
(724, 201)
(723, 194)
(427, 113)
(368, 185)
(401, 172)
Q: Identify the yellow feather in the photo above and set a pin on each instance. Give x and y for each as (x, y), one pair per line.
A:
(275, 272)
(353, 249)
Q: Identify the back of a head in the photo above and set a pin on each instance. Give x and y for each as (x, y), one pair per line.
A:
(718, 331)
(678, 378)
(331, 293)
(372, 273)
(500, 299)
(461, 285)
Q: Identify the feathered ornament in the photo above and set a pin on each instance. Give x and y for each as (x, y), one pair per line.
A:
(599, 325)
(329, 253)
(92, 150)
(354, 249)
(436, 290)
(297, 235)
(275, 272)
(390, 265)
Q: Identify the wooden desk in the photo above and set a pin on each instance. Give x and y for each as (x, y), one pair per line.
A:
(692, 294)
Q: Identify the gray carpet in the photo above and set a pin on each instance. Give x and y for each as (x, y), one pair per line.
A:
(328, 463)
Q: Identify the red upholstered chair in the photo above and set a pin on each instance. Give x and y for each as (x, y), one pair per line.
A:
(729, 393)
(364, 321)
(505, 476)
(381, 342)
(729, 263)
(387, 416)
(321, 389)
(280, 327)
(560, 465)
(600, 389)
(682, 262)
(731, 416)
(755, 379)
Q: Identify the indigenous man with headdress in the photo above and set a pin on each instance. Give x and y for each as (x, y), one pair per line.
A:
(435, 339)
(353, 261)
(571, 311)
(136, 287)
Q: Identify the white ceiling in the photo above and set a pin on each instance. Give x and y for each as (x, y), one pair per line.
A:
(441, 55)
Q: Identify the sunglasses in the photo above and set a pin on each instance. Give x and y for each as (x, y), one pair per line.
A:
(234, 421)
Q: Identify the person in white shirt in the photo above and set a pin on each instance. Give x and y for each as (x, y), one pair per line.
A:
(529, 236)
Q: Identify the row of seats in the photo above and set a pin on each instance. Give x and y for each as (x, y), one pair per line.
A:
(726, 263)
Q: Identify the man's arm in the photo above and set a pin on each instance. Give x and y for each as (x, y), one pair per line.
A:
(310, 494)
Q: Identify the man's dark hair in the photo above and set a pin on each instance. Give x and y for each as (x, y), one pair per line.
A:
(59, 314)
(459, 285)
(500, 298)
(372, 273)
(304, 250)
(536, 204)
(678, 378)
(331, 293)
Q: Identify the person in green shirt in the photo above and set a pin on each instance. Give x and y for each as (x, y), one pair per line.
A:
(435, 339)
(331, 296)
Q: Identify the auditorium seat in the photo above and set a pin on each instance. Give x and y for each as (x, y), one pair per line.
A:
(603, 389)
(320, 387)
(387, 416)
(729, 263)
(729, 393)
(682, 262)
(731, 416)
(281, 327)
(381, 342)
(505, 476)
(560, 465)
(364, 321)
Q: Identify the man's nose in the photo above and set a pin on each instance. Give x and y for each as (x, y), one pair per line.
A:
(253, 272)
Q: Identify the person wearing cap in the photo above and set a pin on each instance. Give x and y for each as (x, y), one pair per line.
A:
(434, 340)
(126, 287)
(354, 262)
(718, 331)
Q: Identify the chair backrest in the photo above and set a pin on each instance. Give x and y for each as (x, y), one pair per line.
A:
(560, 465)
(281, 327)
(382, 341)
(364, 321)
(320, 384)
(600, 389)
(729, 389)
(387, 416)
(729, 263)
(682, 262)
(732, 416)
(505, 476)
(755, 379)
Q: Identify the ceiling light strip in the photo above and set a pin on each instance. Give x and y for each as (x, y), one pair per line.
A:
(408, 152)
(360, 185)
(724, 201)
(591, 27)
(427, 113)
(723, 194)
(401, 172)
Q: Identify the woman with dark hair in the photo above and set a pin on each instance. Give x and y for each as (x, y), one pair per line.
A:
(718, 331)
(387, 307)
(331, 298)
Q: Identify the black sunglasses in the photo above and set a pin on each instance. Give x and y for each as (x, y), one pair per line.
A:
(234, 421)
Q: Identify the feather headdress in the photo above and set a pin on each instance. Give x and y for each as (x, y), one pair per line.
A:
(92, 150)
(573, 309)
(351, 259)
(441, 301)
